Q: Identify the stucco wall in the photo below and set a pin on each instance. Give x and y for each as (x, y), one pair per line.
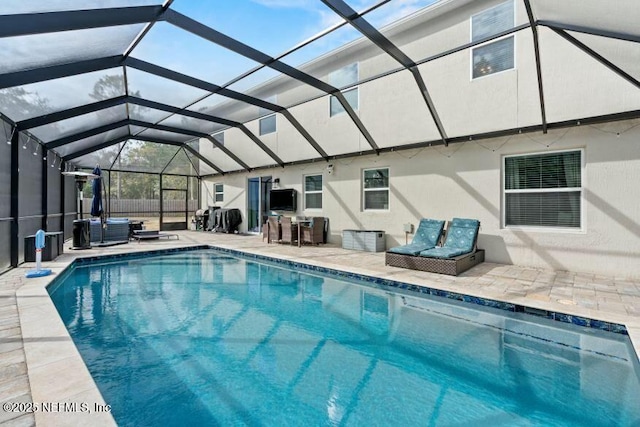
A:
(464, 180)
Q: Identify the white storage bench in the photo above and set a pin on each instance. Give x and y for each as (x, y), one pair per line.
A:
(364, 240)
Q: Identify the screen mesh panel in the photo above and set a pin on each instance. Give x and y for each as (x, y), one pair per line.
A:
(54, 183)
(623, 54)
(5, 171)
(11, 7)
(93, 141)
(201, 168)
(590, 13)
(226, 108)
(180, 165)
(145, 156)
(186, 122)
(104, 157)
(34, 51)
(338, 49)
(159, 89)
(37, 99)
(398, 100)
(30, 180)
(165, 135)
(172, 47)
(267, 84)
(249, 22)
(217, 156)
(80, 123)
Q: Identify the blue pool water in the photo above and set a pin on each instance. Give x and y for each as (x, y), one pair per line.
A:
(203, 338)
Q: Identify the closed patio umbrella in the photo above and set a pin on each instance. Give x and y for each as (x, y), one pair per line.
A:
(96, 202)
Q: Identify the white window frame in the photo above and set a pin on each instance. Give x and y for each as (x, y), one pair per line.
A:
(513, 35)
(355, 87)
(388, 189)
(264, 118)
(549, 229)
(305, 192)
(216, 192)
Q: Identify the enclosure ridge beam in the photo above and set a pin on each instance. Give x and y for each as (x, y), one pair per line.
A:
(36, 75)
(97, 147)
(69, 20)
(86, 134)
(536, 51)
(240, 48)
(595, 55)
(176, 110)
(70, 113)
(197, 83)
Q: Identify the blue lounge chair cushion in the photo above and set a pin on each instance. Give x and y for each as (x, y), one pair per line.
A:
(461, 237)
(426, 237)
(462, 234)
(442, 252)
(410, 249)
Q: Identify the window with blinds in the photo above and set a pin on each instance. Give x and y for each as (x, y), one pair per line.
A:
(543, 190)
(498, 55)
(343, 78)
(313, 192)
(375, 189)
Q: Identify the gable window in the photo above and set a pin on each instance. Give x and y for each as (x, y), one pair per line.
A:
(498, 55)
(218, 190)
(313, 192)
(219, 137)
(375, 188)
(543, 190)
(268, 125)
(343, 78)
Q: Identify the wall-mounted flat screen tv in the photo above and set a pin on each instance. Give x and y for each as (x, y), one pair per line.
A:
(283, 200)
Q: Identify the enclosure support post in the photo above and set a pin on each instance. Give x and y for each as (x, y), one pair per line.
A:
(15, 156)
(44, 192)
(161, 204)
(186, 205)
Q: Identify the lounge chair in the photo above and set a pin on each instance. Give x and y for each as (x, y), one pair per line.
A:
(427, 236)
(458, 254)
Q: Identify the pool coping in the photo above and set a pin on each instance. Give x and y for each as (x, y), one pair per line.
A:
(51, 353)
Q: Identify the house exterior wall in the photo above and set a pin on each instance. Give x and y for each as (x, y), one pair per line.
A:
(465, 180)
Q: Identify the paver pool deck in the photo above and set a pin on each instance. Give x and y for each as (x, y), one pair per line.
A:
(39, 362)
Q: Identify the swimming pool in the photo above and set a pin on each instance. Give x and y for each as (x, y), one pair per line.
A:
(205, 338)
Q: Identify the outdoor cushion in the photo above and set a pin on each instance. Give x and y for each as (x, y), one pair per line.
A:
(461, 237)
(410, 249)
(442, 252)
(426, 237)
(462, 234)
